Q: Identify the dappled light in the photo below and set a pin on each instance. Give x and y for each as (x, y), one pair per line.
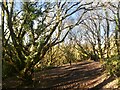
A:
(60, 44)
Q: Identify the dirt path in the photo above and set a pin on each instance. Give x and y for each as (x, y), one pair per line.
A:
(86, 74)
(81, 75)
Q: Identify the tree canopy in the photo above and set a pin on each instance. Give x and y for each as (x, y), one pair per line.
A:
(49, 33)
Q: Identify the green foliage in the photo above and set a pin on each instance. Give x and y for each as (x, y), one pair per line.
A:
(84, 52)
(49, 67)
(43, 67)
(112, 66)
(69, 54)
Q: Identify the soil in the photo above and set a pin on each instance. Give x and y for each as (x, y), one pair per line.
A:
(81, 75)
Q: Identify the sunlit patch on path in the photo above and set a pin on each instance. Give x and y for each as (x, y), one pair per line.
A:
(84, 74)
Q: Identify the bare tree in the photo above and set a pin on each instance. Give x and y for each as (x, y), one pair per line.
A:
(26, 45)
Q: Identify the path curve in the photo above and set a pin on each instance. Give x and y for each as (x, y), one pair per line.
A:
(85, 74)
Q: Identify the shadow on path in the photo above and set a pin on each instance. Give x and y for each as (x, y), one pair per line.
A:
(105, 82)
(70, 77)
(83, 75)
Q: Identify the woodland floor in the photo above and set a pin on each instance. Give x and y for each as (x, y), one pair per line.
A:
(83, 75)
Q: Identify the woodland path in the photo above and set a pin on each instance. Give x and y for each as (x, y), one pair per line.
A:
(78, 76)
(83, 75)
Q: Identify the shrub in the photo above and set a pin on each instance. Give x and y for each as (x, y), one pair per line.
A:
(112, 66)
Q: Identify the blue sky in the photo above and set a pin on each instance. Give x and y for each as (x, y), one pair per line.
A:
(72, 18)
